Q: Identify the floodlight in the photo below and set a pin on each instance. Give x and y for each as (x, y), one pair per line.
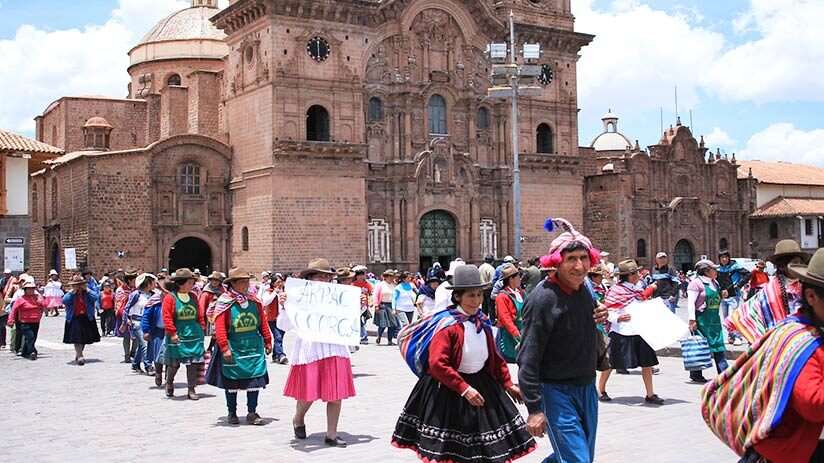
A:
(496, 50)
(532, 51)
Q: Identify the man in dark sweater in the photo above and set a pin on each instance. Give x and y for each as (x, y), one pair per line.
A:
(558, 352)
(666, 279)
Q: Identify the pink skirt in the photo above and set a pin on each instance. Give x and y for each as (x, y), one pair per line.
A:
(54, 301)
(329, 379)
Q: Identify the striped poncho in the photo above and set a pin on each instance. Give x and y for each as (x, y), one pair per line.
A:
(747, 401)
(761, 312)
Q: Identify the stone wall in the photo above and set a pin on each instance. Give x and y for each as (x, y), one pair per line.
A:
(62, 126)
(17, 226)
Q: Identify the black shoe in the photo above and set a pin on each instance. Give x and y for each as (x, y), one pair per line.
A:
(170, 391)
(656, 370)
(336, 442)
(300, 431)
(254, 419)
(654, 399)
(33, 356)
(700, 380)
(622, 371)
(604, 397)
(233, 419)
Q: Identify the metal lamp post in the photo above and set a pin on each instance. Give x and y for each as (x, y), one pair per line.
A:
(506, 84)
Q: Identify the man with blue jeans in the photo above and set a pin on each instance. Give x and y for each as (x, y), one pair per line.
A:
(558, 352)
(666, 279)
(732, 276)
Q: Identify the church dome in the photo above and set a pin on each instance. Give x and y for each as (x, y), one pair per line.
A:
(191, 23)
(610, 139)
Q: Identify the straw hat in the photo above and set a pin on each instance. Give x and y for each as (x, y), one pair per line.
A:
(599, 269)
(467, 277)
(788, 248)
(216, 276)
(628, 267)
(454, 265)
(130, 272)
(28, 284)
(143, 277)
(813, 273)
(182, 274)
(317, 265)
(237, 273)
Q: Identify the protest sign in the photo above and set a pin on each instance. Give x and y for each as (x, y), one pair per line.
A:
(324, 312)
(654, 321)
(70, 258)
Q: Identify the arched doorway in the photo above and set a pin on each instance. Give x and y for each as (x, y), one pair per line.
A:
(438, 239)
(683, 258)
(192, 253)
(55, 257)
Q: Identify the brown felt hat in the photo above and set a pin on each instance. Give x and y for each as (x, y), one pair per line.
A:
(788, 248)
(628, 267)
(182, 274)
(813, 273)
(237, 273)
(344, 273)
(509, 271)
(317, 265)
(77, 280)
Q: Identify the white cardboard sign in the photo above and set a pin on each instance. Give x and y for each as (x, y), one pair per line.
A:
(324, 312)
(654, 321)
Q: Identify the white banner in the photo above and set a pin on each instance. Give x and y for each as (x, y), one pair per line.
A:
(324, 312)
(13, 259)
(654, 321)
(70, 258)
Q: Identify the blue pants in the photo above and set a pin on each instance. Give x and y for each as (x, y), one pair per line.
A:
(277, 336)
(141, 352)
(673, 306)
(728, 306)
(572, 422)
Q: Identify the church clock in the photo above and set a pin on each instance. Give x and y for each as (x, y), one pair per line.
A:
(546, 76)
(318, 48)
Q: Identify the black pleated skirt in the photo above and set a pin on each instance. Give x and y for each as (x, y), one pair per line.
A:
(441, 426)
(81, 330)
(627, 352)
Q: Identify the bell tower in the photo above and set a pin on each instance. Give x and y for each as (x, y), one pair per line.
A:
(206, 3)
(546, 13)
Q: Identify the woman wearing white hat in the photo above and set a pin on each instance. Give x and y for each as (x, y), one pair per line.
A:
(53, 293)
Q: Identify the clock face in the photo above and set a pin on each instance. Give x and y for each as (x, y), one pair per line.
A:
(546, 75)
(318, 48)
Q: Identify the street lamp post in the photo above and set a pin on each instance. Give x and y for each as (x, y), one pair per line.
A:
(510, 74)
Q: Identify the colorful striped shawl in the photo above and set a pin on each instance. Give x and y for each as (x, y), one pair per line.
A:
(746, 402)
(415, 338)
(761, 312)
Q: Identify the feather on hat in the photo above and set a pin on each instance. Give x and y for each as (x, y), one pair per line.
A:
(568, 236)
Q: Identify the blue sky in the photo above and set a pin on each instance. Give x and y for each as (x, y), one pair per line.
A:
(748, 69)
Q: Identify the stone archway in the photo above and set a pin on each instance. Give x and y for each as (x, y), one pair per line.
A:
(191, 252)
(684, 256)
(438, 239)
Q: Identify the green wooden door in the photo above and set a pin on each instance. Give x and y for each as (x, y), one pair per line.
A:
(438, 239)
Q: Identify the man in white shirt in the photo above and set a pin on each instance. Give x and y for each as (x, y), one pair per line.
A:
(487, 274)
(443, 295)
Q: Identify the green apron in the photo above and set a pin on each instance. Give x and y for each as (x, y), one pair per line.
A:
(245, 344)
(709, 321)
(188, 330)
(507, 342)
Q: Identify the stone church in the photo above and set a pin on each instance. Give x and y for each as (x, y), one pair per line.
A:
(272, 132)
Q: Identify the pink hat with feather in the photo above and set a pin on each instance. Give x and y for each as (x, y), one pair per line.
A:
(568, 236)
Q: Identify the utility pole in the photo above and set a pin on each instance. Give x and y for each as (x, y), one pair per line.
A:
(509, 75)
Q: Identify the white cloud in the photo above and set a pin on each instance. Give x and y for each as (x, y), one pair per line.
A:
(638, 56)
(40, 66)
(784, 142)
(718, 137)
(783, 64)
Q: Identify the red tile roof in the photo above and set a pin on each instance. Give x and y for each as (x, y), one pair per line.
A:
(782, 173)
(790, 207)
(18, 143)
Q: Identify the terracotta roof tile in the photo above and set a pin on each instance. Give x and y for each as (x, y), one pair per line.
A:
(18, 143)
(790, 207)
(782, 173)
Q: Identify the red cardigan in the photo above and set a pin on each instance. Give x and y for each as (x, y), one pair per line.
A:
(796, 436)
(169, 314)
(507, 312)
(26, 309)
(446, 351)
(222, 332)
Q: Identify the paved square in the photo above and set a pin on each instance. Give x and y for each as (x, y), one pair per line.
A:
(101, 412)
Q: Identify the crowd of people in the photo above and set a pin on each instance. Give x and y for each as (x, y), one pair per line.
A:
(561, 318)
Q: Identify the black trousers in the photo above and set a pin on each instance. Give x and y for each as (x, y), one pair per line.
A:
(4, 318)
(107, 321)
(18, 339)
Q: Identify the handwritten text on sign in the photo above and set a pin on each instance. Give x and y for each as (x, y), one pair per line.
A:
(324, 312)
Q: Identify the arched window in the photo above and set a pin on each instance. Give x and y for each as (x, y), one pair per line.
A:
(317, 124)
(641, 248)
(437, 115)
(244, 238)
(190, 179)
(375, 109)
(483, 118)
(773, 231)
(173, 79)
(723, 244)
(544, 139)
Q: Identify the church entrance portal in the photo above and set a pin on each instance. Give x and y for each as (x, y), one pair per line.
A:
(192, 253)
(683, 258)
(438, 239)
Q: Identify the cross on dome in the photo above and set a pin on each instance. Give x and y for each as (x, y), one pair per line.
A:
(206, 3)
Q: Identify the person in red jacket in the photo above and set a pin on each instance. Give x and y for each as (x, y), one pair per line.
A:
(466, 396)
(27, 310)
(509, 304)
(185, 327)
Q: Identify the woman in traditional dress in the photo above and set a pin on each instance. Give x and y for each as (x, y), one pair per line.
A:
(184, 326)
(132, 318)
(385, 316)
(81, 328)
(509, 304)
(461, 410)
(627, 349)
(244, 340)
(27, 311)
(318, 371)
(703, 306)
(53, 293)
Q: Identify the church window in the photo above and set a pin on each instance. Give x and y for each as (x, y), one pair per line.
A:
(544, 139)
(375, 109)
(723, 244)
(190, 179)
(97, 138)
(773, 231)
(483, 119)
(641, 248)
(378, 240)
(489, 238)
(173, 79)
(317, 124)
(244, 238)
(437, 115)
